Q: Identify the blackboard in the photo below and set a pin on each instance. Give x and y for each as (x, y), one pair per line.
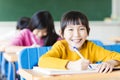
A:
(11, 10)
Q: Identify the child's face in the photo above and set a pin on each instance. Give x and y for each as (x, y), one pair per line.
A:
(75, 35)
(40, 32)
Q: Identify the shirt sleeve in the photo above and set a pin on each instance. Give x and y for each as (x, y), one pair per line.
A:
(52, 59)
(102, 54)
(18, 40)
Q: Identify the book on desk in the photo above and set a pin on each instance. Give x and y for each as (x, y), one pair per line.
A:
(49, 71)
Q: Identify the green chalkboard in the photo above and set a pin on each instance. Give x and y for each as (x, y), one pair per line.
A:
(11, 10)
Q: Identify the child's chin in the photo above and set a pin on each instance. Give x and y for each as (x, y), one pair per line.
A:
(78, 46)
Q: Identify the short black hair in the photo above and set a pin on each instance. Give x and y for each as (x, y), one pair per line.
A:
(75, 18)
(22, 23)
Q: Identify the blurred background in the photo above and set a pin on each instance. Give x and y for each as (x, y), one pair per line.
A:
(103, 15)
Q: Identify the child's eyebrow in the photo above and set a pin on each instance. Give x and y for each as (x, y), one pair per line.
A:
(69, 25)
(82, 26)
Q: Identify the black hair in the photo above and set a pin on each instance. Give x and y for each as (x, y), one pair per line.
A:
(22, 23)
(43, 20)
(75, 18)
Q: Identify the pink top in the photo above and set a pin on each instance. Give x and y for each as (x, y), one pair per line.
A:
(26, 38)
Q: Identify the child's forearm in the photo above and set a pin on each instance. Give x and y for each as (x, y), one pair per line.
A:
(114, 62)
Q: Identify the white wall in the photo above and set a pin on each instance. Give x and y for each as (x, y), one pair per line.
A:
(99, 29)
(104, 31)
(6, 27)
(115, 15)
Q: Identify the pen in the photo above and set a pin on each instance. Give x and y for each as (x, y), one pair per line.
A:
(76, 50)
(33, 40)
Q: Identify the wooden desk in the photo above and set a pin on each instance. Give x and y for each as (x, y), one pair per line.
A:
(33, 75)
(11, 56)
(13, 49)
(11, 53)
(3, 44)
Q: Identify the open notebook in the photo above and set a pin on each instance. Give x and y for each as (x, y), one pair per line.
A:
(60, 72)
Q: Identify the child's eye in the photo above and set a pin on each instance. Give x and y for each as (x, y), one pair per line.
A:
(82, 28)
(70, 29)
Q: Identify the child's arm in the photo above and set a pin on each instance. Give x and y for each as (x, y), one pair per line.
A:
(107, 67)
(81, 64)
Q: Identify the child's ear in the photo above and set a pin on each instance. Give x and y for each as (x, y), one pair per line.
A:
(60, 33)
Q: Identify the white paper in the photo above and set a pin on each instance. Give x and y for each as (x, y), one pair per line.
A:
(49, 71)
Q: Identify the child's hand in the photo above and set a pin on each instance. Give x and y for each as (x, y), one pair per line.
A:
(106, 67)
(35, 45)
(81, 64)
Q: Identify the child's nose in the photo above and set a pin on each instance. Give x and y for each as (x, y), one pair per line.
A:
(40, 34)
(76, 33)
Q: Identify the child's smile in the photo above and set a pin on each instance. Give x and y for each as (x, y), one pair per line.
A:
(76, 40)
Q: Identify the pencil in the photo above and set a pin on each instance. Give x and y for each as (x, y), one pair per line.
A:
(33, 40)
(76, 50)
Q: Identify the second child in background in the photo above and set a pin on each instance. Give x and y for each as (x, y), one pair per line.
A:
(41, 31)
(75, 30)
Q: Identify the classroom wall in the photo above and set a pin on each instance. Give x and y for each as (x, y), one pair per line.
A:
(100, 30)
(103, 31)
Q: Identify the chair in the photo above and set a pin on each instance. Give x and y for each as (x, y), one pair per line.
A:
(113, 47)
(97, 42)
(1, 56)
(3, 66)
(29, 57)
(0, 60)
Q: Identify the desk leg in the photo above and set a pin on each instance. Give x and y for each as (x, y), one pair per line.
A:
(14, 70)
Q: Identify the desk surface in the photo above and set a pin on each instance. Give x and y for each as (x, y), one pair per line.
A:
(11, 57)
(33, 75)
(13, 49)
(11, 53)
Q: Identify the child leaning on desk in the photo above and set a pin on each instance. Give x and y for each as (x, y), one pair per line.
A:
(41, 31)
(75, 30)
